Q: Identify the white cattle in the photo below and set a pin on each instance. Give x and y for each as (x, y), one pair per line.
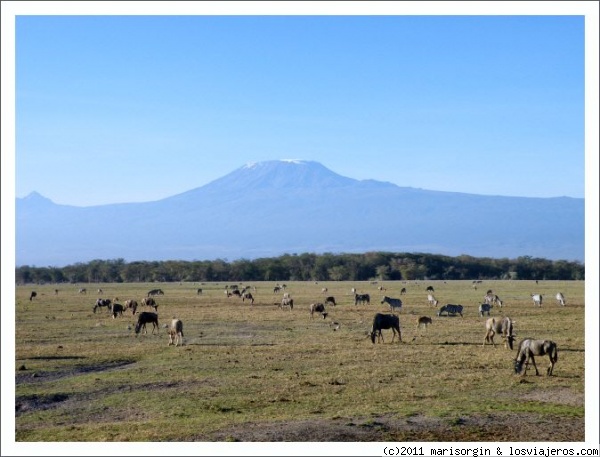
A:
(431, 300)
(537, 299)
(176, 332)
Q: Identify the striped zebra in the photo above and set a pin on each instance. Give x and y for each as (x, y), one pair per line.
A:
(393, 302)
(451, 310)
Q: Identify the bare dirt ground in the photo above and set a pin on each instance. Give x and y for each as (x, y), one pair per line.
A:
(508, 427)
(500, 426)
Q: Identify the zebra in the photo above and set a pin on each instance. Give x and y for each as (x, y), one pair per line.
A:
(451, 310)
(393, 302)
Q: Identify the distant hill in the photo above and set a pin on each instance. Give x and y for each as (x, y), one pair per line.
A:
(270, 208)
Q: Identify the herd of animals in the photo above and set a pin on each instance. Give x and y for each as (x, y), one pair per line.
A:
(527, 349)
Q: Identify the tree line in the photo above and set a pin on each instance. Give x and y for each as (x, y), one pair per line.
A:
(308, 267)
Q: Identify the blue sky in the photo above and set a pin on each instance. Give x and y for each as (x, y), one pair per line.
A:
(138, 108)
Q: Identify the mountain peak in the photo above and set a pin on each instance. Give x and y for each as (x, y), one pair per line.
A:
(35, 198)
(280, 174)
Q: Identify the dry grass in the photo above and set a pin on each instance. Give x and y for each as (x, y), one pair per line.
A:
(246, 371)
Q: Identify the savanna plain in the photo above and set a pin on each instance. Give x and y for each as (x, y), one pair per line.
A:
(257, 372)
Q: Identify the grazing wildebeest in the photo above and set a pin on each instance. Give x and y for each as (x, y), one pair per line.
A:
(502, 327)
(317, 308)
(560, 298)
(362, 298)
(330, 300)
(395, 303)
(83, 291)
(132, 305)
(55, 291)
(103, 302)
(199, 292)
(287, 302)
(485, 308)
(385, 321)
(248, 296)
(176, 332)
(430, 289)
(117, 308)
(451, 310)
(33, 295)
(155, 292)
(276, 289)
(528, 348)
(144, 318)
(150, 302)
(431, 300)
(537, 299)
(424, 321)
(403, 291)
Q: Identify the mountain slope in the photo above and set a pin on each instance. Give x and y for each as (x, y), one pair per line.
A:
(275, 207)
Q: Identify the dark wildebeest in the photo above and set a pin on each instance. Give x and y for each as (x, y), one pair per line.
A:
(395, 303)
(144, 318)
(176, 332)
(317, 308)
(32, 296)
(362, 298)
(103, 302)
(502, 327)
(150, 302)
(385, 321)
(330, 300)
(155, 292)
(117, 308)
(403, 291)
(430, 289)
(528, 348)
(199, 292)
(424, 321)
